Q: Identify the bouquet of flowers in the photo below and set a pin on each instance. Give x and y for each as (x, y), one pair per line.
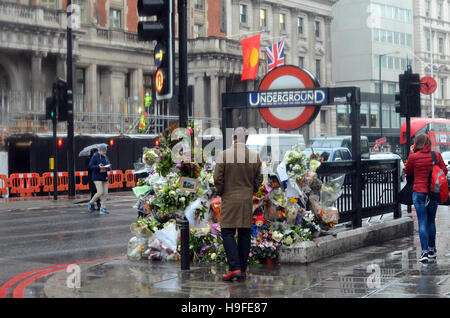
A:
(150, 156)
(278, 198)
(295, 162)
(265, 246)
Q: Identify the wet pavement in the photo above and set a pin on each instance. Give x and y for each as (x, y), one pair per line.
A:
(386, 270)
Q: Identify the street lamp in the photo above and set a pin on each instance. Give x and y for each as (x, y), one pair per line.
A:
(381, 91)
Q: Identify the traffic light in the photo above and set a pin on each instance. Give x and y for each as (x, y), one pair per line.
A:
(60, 142)
(413, 95)
(409, 97)
(161, 31)
(50, 105)
(111, 142)
(61, 99)
(50, 108)
(401, 106)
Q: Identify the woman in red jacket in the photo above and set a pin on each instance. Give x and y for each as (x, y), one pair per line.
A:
(419, 164)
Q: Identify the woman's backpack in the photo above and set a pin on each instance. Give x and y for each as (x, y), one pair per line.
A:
(437, 182)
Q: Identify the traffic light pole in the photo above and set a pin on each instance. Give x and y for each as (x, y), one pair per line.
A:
(408, 145)
(55, 160)
(70, 145)
(182, 65)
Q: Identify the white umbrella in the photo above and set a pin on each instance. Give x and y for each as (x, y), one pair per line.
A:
(87, 150)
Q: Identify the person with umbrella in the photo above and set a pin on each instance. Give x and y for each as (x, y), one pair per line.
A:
(99, 165)
(92, 187)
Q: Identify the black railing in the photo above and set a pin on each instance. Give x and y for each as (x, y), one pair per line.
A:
(380, 183)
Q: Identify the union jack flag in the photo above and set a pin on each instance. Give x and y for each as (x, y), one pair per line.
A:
(275, 55)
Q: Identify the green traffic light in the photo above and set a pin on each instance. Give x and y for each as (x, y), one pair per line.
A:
(52, 114)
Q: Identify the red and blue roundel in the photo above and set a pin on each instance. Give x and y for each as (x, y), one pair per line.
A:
(288, 77)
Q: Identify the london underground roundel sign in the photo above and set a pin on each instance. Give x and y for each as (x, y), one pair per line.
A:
(289, 77)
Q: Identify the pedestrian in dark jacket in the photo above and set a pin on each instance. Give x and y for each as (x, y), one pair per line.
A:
(92, 187)
(419, 164)
(236, 177)
(100, 166)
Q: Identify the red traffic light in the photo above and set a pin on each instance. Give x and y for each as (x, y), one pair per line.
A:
(111, 142)
(157, 142)
(60, 142)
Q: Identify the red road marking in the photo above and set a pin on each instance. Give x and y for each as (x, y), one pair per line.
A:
(6, 286)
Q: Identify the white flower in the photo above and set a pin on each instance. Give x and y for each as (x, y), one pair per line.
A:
(182, 199)
(277, 236)
(213, 256)
(172, 193)
(287, 240)
(154, 229)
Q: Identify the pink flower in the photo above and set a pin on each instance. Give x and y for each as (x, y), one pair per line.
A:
(318, 245)
(250, 255)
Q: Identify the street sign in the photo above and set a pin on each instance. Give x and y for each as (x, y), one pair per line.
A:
(289, 77)
(381, 140)
(428, 85)
(159, 54)
(159, 80)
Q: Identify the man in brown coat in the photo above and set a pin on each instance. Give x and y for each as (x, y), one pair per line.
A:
(237, 176)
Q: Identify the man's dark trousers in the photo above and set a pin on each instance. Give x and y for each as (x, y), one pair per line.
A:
(237, 255)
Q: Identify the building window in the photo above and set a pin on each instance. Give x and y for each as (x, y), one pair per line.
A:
(343, 116)
(317, 29)
(385, 115)
(80, 88)
(373, 119)
(391, 88)
(301, 61)
(427, 8)
(243, 14)
(441, 45)
(115, 19)
(82, 4)
(428, 42)
(323, 116)
(364, 113)
(376, 87)
(300, 25)
(439, 10)
(199, 4)
(198, 30)
(263, 18)
(395, 118)
(282, 22)
(442, 88)
(49, 4)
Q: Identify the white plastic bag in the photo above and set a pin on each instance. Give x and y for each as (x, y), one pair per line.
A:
(136, 246)
(168, 236)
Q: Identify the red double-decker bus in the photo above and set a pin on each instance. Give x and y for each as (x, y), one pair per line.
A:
(438, 130)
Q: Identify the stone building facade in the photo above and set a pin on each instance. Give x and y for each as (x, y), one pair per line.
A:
(434, 13)
(113, 71)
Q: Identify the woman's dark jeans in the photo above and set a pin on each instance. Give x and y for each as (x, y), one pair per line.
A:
(237, 255)
(426, 216)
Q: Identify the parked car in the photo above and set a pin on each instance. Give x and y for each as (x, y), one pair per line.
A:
(389, 155)
(340, 141)
(336, 154)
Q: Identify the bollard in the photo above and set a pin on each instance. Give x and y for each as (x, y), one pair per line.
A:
(184, 237)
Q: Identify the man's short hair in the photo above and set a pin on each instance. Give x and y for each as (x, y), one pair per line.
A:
(240, 134)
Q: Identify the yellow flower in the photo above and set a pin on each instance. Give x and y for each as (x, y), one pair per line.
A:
(293, 200)
(213, 256)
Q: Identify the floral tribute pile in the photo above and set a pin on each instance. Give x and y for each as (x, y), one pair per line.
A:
(292, 205)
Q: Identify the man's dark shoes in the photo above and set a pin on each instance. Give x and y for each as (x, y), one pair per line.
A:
(424, 258)
(243, 277)
(228, 277)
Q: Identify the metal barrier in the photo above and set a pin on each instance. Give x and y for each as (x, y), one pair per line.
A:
(24, 184)
(115, 179)
(379, 190)
(130, 179)
(28, 184)
(79, 176)
(3, 184)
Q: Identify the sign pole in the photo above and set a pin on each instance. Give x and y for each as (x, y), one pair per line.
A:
(182, 64)
(70, 144)
(55, 160)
